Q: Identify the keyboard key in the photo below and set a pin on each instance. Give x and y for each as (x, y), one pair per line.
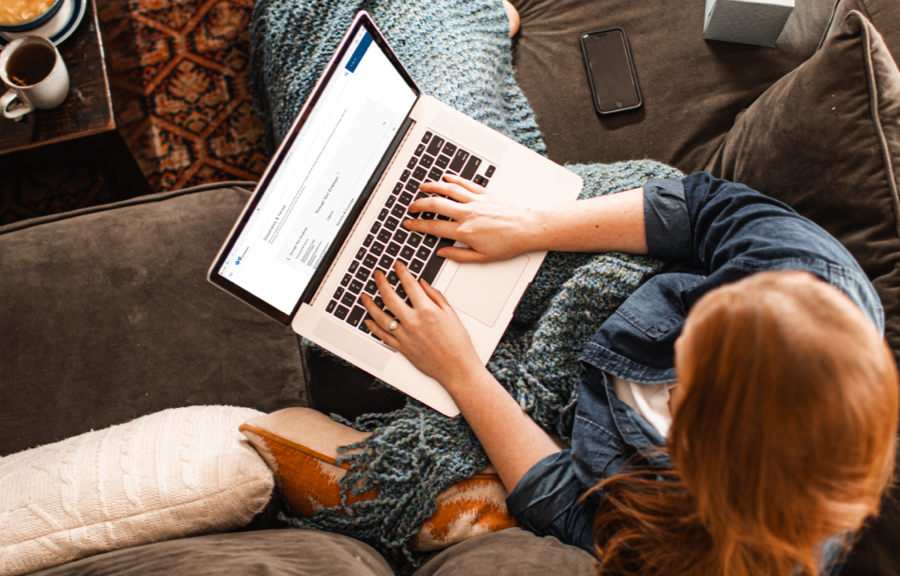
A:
(353, 266)
(331, 306)
(442, 161)
(401, 292)
(371, 288)
(459, 160)
(423, 253)
(370, 261)
(345, 281)
(338, 293)
(419, 149)
(360, 254)
(426, 137)
(386, 262)
(393, 278)
(391, 224)
(407, 252)
(435, 174)
(419, 173)
(355, 287)
(393, 249)
(478, 179)
(378, 301)
(412, 163)
(368, 241)
(414, 239)
(430, 240)
(375, 227)
(471, 167)
(383, 214)
(484, 182)
(400, 236)
(412, 185)
(348, 299)
(489, 172)
(362, 325)
(390, 201)
(405, 198)
(426, 215)
(384, 236)
(377, 248)
(416, 266)
(442, 217)
(426, 161)
(341, 312)
(405, 175)
(356, 315)
(449, 148)
(362, 274)
(435, 146)
(399, 211)
(435, 262)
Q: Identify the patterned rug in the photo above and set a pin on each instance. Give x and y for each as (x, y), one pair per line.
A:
(178, 70)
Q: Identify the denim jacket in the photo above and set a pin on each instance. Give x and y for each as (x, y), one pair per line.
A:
(714, 232)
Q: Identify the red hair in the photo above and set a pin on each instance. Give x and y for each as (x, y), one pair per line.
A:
(783, 436)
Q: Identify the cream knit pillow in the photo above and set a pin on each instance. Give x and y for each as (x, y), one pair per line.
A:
(176, 473)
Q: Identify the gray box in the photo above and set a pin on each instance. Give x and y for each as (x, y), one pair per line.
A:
(757, 22)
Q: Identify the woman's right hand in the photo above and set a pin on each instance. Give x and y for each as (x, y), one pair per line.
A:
(493, 227)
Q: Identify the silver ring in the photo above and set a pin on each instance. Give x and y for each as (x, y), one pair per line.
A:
(393, 326)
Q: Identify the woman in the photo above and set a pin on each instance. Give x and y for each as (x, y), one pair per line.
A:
(784, 397)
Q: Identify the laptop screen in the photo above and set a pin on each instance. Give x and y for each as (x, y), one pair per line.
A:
(321, 175)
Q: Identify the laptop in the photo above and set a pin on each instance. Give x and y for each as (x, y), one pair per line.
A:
(329, 208)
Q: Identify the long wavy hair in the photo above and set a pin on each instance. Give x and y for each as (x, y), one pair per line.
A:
(783, 435)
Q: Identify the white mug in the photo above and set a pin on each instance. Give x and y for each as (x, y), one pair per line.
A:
(45, 90)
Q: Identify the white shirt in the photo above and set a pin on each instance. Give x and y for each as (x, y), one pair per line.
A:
(649, 400)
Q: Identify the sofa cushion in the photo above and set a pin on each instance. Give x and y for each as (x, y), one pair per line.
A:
(825, 140)
(692, 88)
(264, 553)
(883, 14)
(301, 446)
(107, 316)
(172, 474)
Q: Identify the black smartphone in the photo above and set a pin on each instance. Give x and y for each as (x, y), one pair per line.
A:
(610, 70)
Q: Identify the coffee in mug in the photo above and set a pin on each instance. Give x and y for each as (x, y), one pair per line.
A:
(35, 73)
(30, 64)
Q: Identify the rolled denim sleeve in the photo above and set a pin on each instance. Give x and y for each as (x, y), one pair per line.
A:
(546, 502)
(731, 231)
(666, 220)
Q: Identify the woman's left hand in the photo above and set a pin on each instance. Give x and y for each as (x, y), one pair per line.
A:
(429, 334)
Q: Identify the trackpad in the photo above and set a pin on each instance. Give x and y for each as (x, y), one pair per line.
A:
(481, 290)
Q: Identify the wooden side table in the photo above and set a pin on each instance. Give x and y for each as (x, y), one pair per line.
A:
(84, 127)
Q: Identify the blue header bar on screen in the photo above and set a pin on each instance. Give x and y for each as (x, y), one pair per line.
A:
(359, 52)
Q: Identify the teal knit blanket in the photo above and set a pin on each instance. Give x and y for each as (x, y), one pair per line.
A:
(460, 52)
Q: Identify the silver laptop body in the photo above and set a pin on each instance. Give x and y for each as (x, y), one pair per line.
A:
(328, 212)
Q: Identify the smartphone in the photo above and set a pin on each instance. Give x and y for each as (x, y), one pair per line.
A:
(610, 70)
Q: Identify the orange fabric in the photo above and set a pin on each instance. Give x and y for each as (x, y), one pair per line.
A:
(310, 480)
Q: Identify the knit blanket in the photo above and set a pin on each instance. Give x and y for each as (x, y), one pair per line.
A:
(460, 52)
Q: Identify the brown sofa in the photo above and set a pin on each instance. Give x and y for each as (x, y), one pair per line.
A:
(107, 316)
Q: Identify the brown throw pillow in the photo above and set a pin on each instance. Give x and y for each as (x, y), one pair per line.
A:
(300, 445)
(825, 139)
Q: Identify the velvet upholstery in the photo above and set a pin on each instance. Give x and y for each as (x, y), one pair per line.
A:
(825, 140)
(110, 318)
(692, 88)
(262, 553)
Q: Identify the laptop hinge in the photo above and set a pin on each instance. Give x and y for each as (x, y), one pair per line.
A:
(334, 250)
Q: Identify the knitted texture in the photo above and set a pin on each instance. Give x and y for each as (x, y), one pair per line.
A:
(172, 474)
(460, 53)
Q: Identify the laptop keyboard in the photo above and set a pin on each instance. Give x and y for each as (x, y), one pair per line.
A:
(388, 241)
